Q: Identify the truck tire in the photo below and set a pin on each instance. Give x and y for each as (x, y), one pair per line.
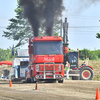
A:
(60, 81)
(54, 81)
(32, 80)
(27, 80)
(86, 73)
(75, 77)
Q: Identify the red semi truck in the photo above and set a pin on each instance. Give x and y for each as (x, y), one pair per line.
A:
(48, 55)
(45, 59)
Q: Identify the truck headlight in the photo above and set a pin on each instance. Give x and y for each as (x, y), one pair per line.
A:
(37, 67)
(60, 67)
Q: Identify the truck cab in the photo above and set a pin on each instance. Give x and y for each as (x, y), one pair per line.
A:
(79, 72)
(46, 58)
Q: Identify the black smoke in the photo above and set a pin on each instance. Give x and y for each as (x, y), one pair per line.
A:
(32, 13)
(53, 8)
(37, 10)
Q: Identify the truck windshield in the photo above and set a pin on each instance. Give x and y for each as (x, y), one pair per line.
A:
(42, 48)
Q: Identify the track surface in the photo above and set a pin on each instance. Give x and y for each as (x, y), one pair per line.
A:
(69, 90)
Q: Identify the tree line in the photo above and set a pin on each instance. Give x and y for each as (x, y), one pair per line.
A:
(91, 54)
(6, 55)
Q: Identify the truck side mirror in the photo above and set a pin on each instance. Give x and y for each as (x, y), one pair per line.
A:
(65, 50)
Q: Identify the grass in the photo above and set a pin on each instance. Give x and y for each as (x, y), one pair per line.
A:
(96, 77)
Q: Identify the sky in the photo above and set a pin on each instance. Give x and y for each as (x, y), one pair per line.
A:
(83, 23)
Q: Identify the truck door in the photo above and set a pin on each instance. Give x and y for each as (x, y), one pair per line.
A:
(73, 59)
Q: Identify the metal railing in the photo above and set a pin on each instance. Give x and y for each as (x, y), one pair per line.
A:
(44, 70)
(53, 69)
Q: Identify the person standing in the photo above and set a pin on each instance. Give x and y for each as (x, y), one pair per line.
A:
(67, 67)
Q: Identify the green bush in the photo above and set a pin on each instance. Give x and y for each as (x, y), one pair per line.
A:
(93, 55)
(5, 54)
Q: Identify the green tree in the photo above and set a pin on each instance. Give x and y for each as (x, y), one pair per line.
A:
(98, 35)
(93, 55)
(6, 54)
(84, 53)
(98, 53)
(20, 29)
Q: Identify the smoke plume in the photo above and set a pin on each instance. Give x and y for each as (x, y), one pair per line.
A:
(53, 8)
(85, 4)
(37, 10)
(32, 13)
(78, 6)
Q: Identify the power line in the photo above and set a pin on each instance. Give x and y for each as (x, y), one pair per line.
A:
(83, 26)
(84, 17)
(68, 27)
(85, 31)
(89, 17)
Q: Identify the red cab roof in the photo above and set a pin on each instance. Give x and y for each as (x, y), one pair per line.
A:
(47, 38)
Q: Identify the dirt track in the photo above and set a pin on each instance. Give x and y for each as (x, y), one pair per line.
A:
(69, 90)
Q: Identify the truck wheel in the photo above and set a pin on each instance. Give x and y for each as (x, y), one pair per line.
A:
(75, 77)
(54, 81)
(32, 80)
(60, 81)
(86, 73)
(27, 80)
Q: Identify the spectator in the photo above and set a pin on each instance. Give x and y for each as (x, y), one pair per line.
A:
(84, 64)
(67, 67)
